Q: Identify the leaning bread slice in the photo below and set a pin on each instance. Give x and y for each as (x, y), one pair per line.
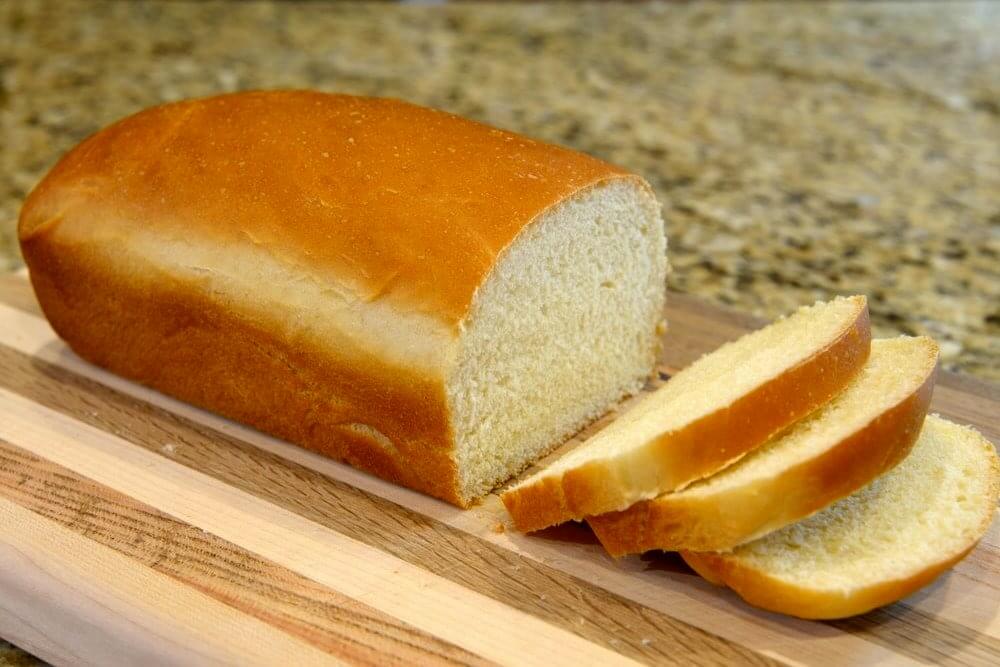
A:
(864, 431)
(880, 544)
(705, 417)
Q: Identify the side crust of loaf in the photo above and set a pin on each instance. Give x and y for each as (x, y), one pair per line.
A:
(163, 332)
(720, 521)
(767, 592)
(594, 489)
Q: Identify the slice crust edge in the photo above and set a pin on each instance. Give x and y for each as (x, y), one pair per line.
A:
(767, 590)
(733, 515)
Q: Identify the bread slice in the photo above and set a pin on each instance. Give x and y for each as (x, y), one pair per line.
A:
(876, 546)
(422, 296)
(708, 415)
(864, 431)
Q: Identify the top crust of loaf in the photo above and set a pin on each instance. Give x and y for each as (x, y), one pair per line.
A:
(334, 184)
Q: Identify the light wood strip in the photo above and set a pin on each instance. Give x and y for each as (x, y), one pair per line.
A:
(73, 601)
(697, 603)
(435, 605)
(220, 569)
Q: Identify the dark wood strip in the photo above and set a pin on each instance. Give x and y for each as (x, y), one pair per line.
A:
(918, 635)
(334, 623)
(553, 596)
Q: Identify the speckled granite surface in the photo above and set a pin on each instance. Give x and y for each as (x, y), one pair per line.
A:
(800, 150)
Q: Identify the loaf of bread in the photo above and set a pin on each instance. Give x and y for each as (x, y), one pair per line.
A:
(862, 432)
(710, 414)
(425, 297)
(878, 545)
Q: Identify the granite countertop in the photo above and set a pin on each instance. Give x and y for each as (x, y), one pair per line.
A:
(800, 150)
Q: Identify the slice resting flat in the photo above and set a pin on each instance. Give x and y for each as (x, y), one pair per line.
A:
(878, 545)
(708, 415)
(864, 431)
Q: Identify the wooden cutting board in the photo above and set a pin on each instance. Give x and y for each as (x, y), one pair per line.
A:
(135, 529)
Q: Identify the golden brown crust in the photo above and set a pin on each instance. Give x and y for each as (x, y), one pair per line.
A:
(721, 521)
(403, 202)
(164, 333)
(762, 590)
(739, 427)
(394, 203)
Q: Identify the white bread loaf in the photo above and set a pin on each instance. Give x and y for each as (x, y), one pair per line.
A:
(705, 417)
(878, 545)
(862, 432)
(425, 297)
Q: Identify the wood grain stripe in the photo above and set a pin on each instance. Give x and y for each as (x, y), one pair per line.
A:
(98, 604)
(433, 604)
(544, 592)
(924, 637)
(332, 622)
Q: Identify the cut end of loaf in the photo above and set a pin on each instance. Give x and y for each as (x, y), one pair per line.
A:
(878, 545)
(705, 417)
(565, 326)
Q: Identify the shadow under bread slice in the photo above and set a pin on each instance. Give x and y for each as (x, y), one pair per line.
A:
(878, 545)
(864, 431)
(708, 415)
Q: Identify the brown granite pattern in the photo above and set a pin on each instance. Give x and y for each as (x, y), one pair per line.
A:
(800, 150)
